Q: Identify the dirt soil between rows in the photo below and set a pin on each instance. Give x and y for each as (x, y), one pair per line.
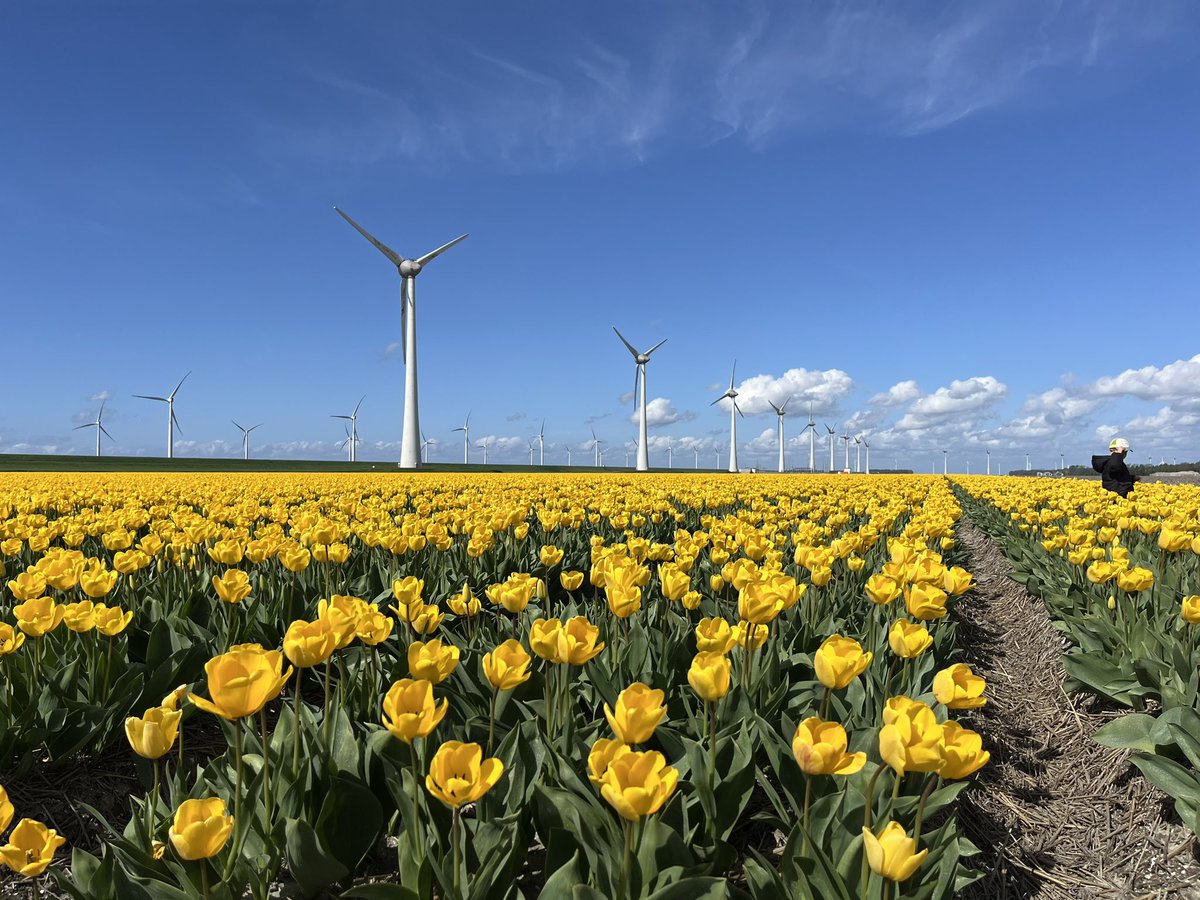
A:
(1055, 814)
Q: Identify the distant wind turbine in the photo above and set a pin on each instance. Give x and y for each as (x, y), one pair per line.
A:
(530, 452)
(596, 445)
(670, 454)
(639, 378)
(734, 411)
(696, 450)
(831, 432)
(425, 442)
(466, 430)
(568, 455)
(780, 412)
(811, 428)
(846, 440)
(945, 462)
(172, 422)
(98, 425)
(542, 444)
(868, 446)
(857, 454)
(353, 420)
(246, 437)
(484, 445)
(409, 269)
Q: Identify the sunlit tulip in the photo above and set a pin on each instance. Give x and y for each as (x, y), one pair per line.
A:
(709, 675)
(550, 555)
(513, 595)
(294, 557)
(409, 710)
(912, 742)
(507, 666)
(900, 706)
(691, 600)
(373, 627)
(10, 641)
(638, 784)
(201, 828)
(603, 752)
(227, 553)
(957, 687)
(893, 854)
(639, 710)
(427, 619)
(97, 582)
(675, 582)
(30, 848)
(432, 660)
(79, 617)
(543, 638)
(749, 636)
(1135, 580)
(1173, 539)
(820, 749)
(957, 581)
(578, 641)
(464, 603)
(38, 616)
(28, 586)
(408, 590)
(459, 774)
(1190, 611)
(242, 681)
(341, 614)
(714, 634)
(821, 576)
(716, 583)
(111, 620)
(622, 590)
(570, 580)
(839, 660)
(962, 751)
(153, 735)
(758, 605)
(1102, 572)
(925, 600)
(909, 640)
(6, 811)
(173, 699)
(233, 586)
(127, 562)
(307, 644)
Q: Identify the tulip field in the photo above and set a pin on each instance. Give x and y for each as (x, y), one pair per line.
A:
(552, 686)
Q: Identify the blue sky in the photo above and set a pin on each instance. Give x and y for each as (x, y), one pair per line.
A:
(948, 226)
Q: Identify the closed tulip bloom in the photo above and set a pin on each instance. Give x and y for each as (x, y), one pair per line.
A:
(909, 640)
(30, 848)
(432, 660)
(201, 828)
(820, 749)
(1135, 580)
(242, 682)
(603, 752)
(716, 583)
(1174, 539)
(714, 634)
(638, 784)
(749, 636)
(427, 619)
(97, 582)
(1189, 610)
(913, 742)
(111, 620)
(893, 854)
(543, 638)
(79, 617)
(709, 675)
(341, 613)
(550, 555)
(28, 586)
(821, 575)
(294, 557)
(464, 603)
(228, 553)
(674, 580)
(10, 642)
(957, 581)
(38, 616)
(307, 644)
(758, 605)
(957, 687)
(623, 592)
(925, 600)
(839, 660)
(507, 666)
(459, 774)
(962, 751)
(882, 589)
(408, 590)
(6, 811)
(577, 641)
(1101, 572)
(900, 706)
(691, 600)
(153, 735)
(638, 712)
(373, 627)
(570, 580)
(409, 710)
(127, 562)
(233, 586)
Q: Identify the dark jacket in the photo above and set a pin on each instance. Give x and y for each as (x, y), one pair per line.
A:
(1114, 474)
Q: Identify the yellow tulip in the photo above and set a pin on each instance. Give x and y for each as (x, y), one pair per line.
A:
(1102, 572)
(459, 774)
(821, 575)
(909, 640)
(925, 600)
(709, 675)
(957, 581)
(716, 583)
(1174, 539)
(111, 620)
(294, 557)
(714, 634)
(427, 619)
(962, 752)
(153, 735)
(893, 854)
(543, 638)
(839, 660)
(432, 660)
(307, 644)
(373, 627)
(603, 752)
(577, 641)
(691, 600)
(674, 580)
(341, 614)
(409, 710)
(749, 636)
(820, 749)
(30, 848)
(408, 590)
(1134, 580)
(638, 784)
(638, 712)
(242, 681)
(79, 617)
(622, 590)
(6, 810)
(912, 742)
(28, 586)
(507, 666)
(550, 555)
(957, 687)
(201, 828)
(227, 553)
(97, 582)
(464, 603)
(1190, 611)
(38, 616)
(10, 642)
(127, 562)
(758, 605)
(173, 699)
(233, 586)
(570, 580)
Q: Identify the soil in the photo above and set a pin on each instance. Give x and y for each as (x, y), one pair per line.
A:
(1055, 814)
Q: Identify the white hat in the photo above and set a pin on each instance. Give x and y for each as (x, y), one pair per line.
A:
(1118, 444)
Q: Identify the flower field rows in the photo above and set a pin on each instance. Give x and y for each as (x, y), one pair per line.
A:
(493, 686)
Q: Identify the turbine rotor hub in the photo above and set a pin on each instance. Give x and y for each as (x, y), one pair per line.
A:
(410, 268)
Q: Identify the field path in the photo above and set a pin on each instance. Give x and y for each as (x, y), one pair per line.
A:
(1055, 814)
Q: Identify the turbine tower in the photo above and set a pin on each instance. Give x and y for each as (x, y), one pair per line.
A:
(734, 411)
(846, 441)
(409, 269)
(670, 455)
(425, 442)
(868, 446)
(351, 441)
(857, 454)
(811, 427)
(541, 444)
(596, 444)
(780, 411)
(530, 452)
(353, 420)
(483, 444)
(639, 378)
(568, 455)
(945, 462)
(245, 437)
(172, 422)
(830, 435)
(989, 461)
(466, 430)
(98, 425)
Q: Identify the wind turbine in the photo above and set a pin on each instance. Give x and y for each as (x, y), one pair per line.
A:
(425, 442)
(484, 445)
(989, 461)
(670, 455)
(245, 437)
(409, 269)
(857, 454)
(353, 419)
(945, 462)
(466, 430)
(846, 440)
(172, 422)
(596, 444)
(541, 445)
(351, 441)
(868, 446)
(531, 453)
(811, 428)
(830, 436)
(696, 450)
(734, 411)
(568, 455)
(639, 378)
(780, 411)
(98, 425)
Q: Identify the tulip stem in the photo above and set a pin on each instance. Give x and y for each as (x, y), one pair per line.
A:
(266, 749)
(867, 810)
(237, 798)
(456, 840)
(492, 719)
(921, 811)
(204, 878)
(150, 801)
(825, 703)
(804, 815)
(296, 723)
(625, 861)
(412, 830)
(325, 717)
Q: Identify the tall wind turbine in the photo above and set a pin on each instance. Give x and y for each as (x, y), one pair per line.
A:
(596, 444)
(696, 450)
(351, 441)
(172, 422)
(98, 425)
(989, 462)
(484, 445)
(639, 378)
(670, 454)
(569, 451)
(857, 454)
(780, 411)
(466, 430)
(945, 462)
(541, 444)
(868, 446)
(425, 442)
(734, 411)
(409, 269)
(530, 452)
(353, 420)
(831, 432)
(846, 441)
(811, 428)
(246, 437)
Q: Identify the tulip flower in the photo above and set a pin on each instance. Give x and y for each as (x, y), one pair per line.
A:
(639, 710)
(1102, 572)
(464, 603)
(570, 580)
(543, 638)
(956, 581)
(432, 660)
(79, 617)
(458, 773)
(233, 586)
(294, 558)
(925, 600)
(622, 591)
(709, 675)
(691, 600)
(912, 742)
(409, 710)
(638, 784)
(153, 735)
(820, 749)
(10, 641)
(577, 641)
(1135, 580)
(242, 682)
(341, 614)
(674, 580)
(909, 640)
(550, 556)
(758, 605)
(28, 586)
(30, 848)
(1189, 610)
(111, 620)
(957, 687)
(227, 553)
(603, 752)
(427, 619)
(6, 811)
(407, 590)
(39, 616)
(201, 828)
(893, 854)
(839, 660)
(97, 582)
(962, 751)
(900, 706)
(507, 666)
(307, 644)
(714, 634)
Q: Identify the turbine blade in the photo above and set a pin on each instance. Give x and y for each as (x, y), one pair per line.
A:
(171, 395)
(339, 417)
(146, 397)
(739, 409)
(656, 346)
(785, 403)
(434, 254)
(383, 248)
(360, 401)
(105, 430)
(637, 373)
(88, 425)
(718, 400)
(100, 414)
(176, 421)
(542, 430)
(403, 324)
(628, 345)
(732, 375)
(236, 425)
(252, 427)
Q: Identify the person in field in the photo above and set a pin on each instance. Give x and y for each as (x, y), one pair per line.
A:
(1114, 474)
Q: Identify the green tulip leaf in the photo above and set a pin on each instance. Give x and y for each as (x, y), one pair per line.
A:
(381, 892)
(351, 821)
(314, 868)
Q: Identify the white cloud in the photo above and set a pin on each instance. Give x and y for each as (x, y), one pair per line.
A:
(824, 388)
(101, 397)
(897, 395)
(963, 401)
(660, 411)
(1175, 381)
(391, 349)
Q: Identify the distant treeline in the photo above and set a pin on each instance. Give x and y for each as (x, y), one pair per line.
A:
(1089, 472)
